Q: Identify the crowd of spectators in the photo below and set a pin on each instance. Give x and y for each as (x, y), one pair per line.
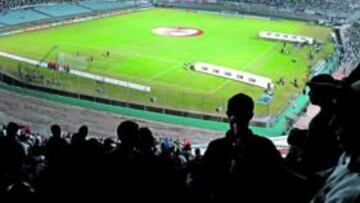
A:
(323, 164)
(328, 10)
(7, 4)
(34, 163)
(351, 43)
(319, 6)
(331, 8)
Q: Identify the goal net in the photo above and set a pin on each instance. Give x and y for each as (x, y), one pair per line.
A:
(73, 61)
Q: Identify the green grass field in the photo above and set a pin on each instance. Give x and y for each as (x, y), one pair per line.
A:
(138, 55)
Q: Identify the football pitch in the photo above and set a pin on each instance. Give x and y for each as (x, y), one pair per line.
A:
(125, 47)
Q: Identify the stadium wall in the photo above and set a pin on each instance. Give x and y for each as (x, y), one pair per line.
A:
(133, 105)
(123, 108)
(227, 9)
(59, 21)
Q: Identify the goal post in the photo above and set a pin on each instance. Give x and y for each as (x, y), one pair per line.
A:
(74, 61)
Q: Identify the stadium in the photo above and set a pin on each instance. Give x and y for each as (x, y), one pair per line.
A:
(170, 67)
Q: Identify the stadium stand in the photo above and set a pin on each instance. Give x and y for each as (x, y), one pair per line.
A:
(60, 10)
(7, 4)
(103, 5)
(321, 7)
(13, 17)
(138, 163)
(20, 12)
(351, 43)
(330, 9)
(310, 10)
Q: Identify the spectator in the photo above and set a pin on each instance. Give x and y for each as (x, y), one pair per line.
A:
(12, 157)
(242, 163)
(146, 142)
(122, 162)
(343, 183)
(321, 150)
(79, 138)
(56, 147)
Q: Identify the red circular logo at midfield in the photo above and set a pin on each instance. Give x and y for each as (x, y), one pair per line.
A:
(178, 31)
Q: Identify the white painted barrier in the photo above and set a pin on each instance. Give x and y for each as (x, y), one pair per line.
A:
(81, 73)
(286, 37)
(23, 59)
(111, 80)
(240, 76)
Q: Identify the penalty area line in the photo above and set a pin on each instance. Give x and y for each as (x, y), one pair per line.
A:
(163, 73)
(258, 57)
(220, 86)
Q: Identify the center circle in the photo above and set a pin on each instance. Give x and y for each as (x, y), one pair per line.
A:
(178, 31)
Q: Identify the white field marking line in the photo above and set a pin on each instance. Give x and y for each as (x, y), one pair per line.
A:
(181, 87)
(155, 58)
(220, 86)
(135, 54)
(125, 76)
(259, 57)
(159, 83)
(164, 72)
(128, 84)
(124, 51)
(244, 68)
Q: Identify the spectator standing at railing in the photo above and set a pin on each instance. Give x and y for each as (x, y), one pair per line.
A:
(243, 166)
(342, 185)
(321, 150)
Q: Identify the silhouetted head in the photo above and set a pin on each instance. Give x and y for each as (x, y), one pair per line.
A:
(56, 130)
(240, 109)
(323, 89)
(79, 138)
(83, 131)
(146, 141)
(197, 152)
(12, 129)
(127, 132)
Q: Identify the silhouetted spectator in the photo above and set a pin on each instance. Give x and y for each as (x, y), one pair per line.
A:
(79, 138)
(296, 139)
(243, 164)
(321, 150)
(343, 183)
(146, 142)
(198, 155)
(12, 156)
(121, 164)
(56, 148)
